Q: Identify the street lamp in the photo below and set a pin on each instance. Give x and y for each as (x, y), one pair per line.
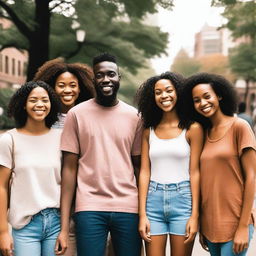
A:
(80, 36)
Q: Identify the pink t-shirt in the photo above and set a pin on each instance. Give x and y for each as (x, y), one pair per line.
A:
(105, 139)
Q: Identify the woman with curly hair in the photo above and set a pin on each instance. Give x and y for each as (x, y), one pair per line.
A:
(227, 165)
(169, 174)
(73, 82)
(33, 167)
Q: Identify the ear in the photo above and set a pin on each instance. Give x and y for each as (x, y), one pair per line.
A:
(219, 98)
(119, 76)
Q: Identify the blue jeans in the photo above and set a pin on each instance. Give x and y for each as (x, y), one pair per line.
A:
(38, 237)
(92, 228)
(226, 249)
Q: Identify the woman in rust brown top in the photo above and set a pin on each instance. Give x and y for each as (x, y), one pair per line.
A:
(227, 165)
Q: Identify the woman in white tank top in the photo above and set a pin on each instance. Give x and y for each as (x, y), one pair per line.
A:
(169, 175)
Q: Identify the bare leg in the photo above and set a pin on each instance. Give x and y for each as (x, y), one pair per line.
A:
(157, 246)
(178, 248)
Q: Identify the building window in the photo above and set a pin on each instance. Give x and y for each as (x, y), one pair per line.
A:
(25, 66)
(13, 66)
(6, 64)
(19, 68)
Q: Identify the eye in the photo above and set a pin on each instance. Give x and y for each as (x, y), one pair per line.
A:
(73, 85)
(98, 76)
(196, 100)
(169, 91)
(112, 74)
(61, 86)
(46, 101)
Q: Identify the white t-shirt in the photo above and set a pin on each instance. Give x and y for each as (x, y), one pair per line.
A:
(36, 173)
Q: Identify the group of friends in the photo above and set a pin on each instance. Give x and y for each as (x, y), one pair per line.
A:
(83, 173)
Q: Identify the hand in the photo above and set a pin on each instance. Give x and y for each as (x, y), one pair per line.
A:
(191, 229)
(203, 242)
(241, 239)
(61, 243)
(144, 228)
(6, 244)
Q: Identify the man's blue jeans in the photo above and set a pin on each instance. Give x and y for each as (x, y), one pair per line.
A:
(92, 229)
(38, 237)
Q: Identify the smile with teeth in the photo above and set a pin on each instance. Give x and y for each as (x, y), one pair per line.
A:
(39, 111)
(166, 103)
(206, 109)
(68, 97)
(106, 88)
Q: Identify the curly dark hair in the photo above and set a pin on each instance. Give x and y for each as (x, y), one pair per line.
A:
(51, 69)
(16, 107)
(151, 114)
(222, 87)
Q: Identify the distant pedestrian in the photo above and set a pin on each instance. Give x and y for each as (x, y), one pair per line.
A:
(242, 114)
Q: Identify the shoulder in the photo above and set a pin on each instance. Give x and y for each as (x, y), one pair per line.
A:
(195, 128)
(127, 107)
(82, 106)
(241, 124)
(6, 137)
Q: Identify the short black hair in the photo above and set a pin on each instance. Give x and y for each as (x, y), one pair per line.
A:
(221, 86)
(151, 114)
(16, 107)
(103, 57)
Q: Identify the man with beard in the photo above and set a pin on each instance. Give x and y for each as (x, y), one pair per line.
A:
(101, 145)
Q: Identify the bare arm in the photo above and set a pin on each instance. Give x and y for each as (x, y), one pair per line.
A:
(144, 179)
(136, 167)
(195, 136)
(241, 239)
(68, 186)
(6, 242)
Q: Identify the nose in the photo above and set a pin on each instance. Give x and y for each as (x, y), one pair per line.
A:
(67, 89)
(39, 104)
(105, 79)
(203, 102)
(164, 94)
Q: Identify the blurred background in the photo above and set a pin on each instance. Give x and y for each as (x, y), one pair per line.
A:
(147, 36)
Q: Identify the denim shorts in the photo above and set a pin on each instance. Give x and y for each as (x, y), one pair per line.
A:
(169, 207)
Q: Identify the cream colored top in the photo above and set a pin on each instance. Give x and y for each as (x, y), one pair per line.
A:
(36, 173)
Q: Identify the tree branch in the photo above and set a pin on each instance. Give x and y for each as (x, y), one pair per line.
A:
(22, 27)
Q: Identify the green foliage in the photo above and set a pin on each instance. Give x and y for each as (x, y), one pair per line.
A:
(111, 25)
(184, 64)
(242, 61)
(5, 121)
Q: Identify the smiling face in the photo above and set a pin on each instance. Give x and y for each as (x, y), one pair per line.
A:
(106, 82)
(67, 87)
(165, 95)
(206, 101)
(38, 105)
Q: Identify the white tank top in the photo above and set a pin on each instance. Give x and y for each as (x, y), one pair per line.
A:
(169, 158)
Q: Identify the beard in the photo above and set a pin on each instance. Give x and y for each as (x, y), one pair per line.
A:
(106, 100)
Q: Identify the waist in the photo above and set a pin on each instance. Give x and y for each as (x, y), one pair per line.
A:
(169, 186)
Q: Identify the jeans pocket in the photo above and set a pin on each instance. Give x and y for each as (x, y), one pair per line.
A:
(185, 192)
(56, 212)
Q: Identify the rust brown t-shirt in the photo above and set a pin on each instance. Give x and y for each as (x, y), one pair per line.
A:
(222, 182)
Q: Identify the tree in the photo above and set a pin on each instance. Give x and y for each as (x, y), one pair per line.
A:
(241, 21)
(43, 28)
(184, 64)
(216, 63)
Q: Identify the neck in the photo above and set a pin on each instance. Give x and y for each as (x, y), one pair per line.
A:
(34, 128)
(219, 119)
(65, 109)
(107, 103)
(170, 117)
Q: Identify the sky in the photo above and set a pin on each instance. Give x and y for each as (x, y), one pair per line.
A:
(182, 23)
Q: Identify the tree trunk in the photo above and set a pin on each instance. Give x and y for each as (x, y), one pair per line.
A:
(39, 42)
